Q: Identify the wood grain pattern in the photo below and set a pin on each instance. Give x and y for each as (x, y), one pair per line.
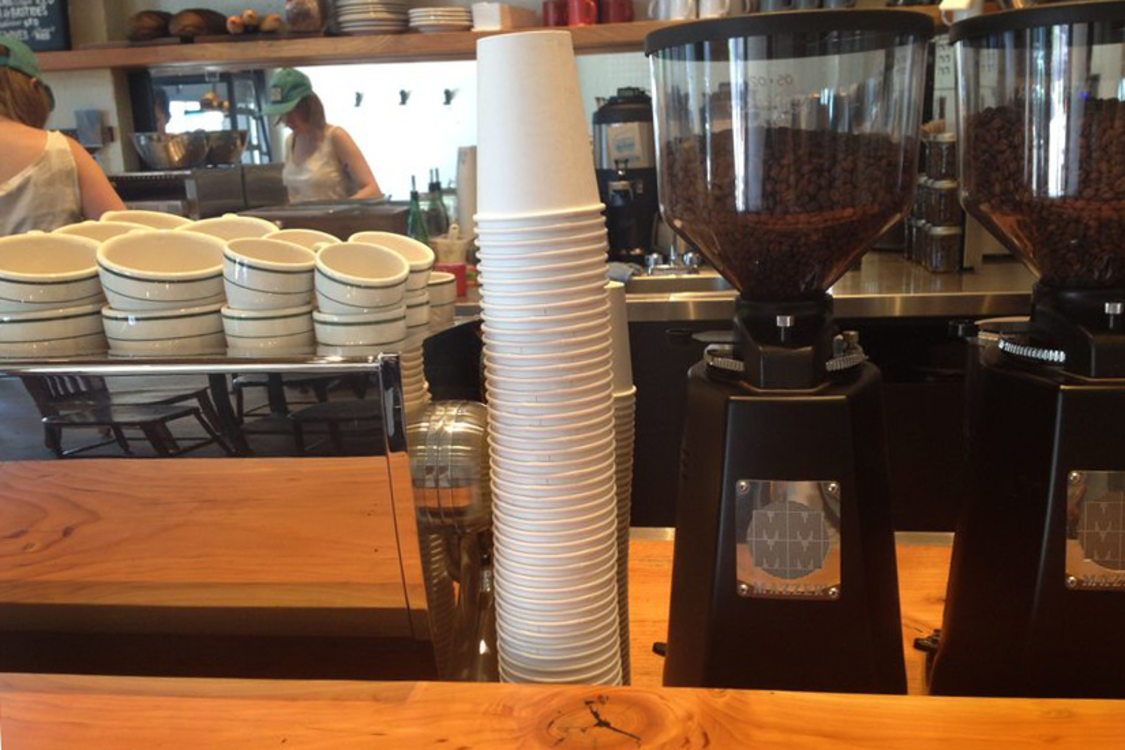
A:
(922, 573)
(316, 533)
(39, 712)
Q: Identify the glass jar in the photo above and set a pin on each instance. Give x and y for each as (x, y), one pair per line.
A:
(943, 249)
(305, 16)
(941, 156)
(944, 204)
(919, 247)
(921, 198)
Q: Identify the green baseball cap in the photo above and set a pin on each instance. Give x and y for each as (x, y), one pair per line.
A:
(19, 57)
(287, 88)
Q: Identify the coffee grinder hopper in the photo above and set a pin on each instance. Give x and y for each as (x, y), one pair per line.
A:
(787, 143)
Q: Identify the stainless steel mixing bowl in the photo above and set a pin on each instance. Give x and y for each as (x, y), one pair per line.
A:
(172, 151)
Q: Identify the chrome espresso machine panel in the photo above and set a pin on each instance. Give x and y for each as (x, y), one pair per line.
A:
(1095, 530)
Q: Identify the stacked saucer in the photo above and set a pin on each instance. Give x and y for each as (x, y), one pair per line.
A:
(165, 291)
(430, 20)
(371, 16)
(548, 368)
(50, 297)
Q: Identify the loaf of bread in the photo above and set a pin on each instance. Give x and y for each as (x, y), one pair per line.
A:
(197, 22)
(148, 24)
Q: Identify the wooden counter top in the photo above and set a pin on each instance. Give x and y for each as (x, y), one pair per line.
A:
(45, 712)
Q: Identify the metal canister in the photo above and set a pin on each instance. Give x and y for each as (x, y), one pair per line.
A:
(943, 249)
(944, 204)
(920, 246)
(941, 156)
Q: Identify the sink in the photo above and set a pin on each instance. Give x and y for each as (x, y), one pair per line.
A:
(705, 280)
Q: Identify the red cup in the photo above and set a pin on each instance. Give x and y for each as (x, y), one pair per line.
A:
(615, 11)
(554, 13)
(581, 12)
(460, 273)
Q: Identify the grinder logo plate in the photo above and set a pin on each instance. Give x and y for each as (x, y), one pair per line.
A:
(1095, 530)
(788, 542)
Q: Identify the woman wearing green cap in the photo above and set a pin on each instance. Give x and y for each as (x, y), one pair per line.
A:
(46, 179)
(322, 161)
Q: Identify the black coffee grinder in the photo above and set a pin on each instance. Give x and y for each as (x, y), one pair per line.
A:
(1036, 599)
(784, 574)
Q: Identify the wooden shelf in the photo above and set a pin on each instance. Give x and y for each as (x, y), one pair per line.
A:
(616, 37)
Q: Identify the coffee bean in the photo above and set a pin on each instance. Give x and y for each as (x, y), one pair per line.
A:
(1061, 210)
(785, 215)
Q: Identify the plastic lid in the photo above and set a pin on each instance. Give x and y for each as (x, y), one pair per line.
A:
(1056, 14)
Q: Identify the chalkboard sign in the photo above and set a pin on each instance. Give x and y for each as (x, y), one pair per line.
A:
(41, 24)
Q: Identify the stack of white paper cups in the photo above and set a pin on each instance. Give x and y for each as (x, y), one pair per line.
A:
(624, 411)
(548, 371)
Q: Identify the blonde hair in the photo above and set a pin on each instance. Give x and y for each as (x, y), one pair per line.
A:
(22, 98)
(311, 110)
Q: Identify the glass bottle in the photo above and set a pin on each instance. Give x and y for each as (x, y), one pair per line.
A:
(416, 219)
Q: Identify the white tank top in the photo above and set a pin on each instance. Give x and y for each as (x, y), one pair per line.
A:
(320, 177)
(44, 195)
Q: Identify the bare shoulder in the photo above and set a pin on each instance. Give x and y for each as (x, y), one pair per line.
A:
(339, 136)
(78, 151)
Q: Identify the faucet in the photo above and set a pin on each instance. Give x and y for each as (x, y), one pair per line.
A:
(682, 259)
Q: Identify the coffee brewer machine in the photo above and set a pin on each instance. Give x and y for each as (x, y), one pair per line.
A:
(625, 165)
(1036, 600)
(784, 573)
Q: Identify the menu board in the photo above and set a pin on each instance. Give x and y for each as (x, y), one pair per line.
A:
(41, 24)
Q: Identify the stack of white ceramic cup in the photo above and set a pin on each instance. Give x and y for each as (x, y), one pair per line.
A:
(548, 371)
(360, 293)
(624, 411)
(269, 286)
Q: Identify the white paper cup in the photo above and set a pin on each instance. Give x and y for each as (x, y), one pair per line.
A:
(161, 270)
(262, 274)
(511, 636)
(420, 257)
(550, 418)
(499, 284)
(529, 112)
(536, 454)
(499, 257)
(560, 660)
(353, 278)
(585, 365)
(499, 378)
(230, 227)
(594, 236)
(580, 304)
(498, 389)
(373, 329)
(505, 403)
(547, 228)
(311, 239)
(519, 268)
(547, 486)
(574, 440)
(619, 321)
(594, 517)
(540, 220)
(563, 345)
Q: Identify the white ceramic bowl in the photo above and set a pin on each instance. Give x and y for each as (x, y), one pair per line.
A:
(43, 271)
(376, 329)
(265, 324)
(75, 329)
(417, 313)
(161, 270)
(354, 278)
(209, 345)
(442, 288)
(311, 239)
(231, 227)
(419, 256)
(99, 231)
(266, 274)
(151, 326)
(150, 219)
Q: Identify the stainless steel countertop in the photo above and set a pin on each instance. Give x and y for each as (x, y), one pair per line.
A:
(885, 286)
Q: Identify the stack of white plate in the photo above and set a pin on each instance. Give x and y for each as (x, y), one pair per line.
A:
(430, 20)
(548, 367)
(165, 291)
(360, 293)
(269, 286)
(371, 16)
(50, 297)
